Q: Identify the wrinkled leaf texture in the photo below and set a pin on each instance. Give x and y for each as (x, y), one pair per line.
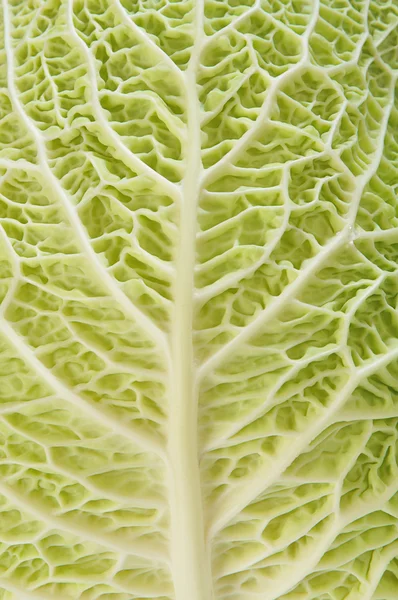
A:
(199, 287)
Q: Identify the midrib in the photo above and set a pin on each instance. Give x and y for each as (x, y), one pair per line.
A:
(190, 564)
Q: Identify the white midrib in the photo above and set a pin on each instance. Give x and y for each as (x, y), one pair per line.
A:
(190, 562)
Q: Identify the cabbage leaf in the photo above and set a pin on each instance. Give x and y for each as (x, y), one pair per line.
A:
(198, 300)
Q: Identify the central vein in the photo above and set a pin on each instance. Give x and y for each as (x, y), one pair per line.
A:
(190, 563)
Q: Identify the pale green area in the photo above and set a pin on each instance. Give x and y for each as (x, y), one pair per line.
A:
(273, 126)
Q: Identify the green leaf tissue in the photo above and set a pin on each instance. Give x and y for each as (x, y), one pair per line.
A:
(199, 300)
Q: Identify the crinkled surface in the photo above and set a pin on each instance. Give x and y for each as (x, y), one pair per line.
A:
(230, 168)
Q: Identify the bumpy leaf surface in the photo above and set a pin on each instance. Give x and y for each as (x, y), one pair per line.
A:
(199, 296)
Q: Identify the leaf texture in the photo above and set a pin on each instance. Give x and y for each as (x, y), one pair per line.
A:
(198, 300)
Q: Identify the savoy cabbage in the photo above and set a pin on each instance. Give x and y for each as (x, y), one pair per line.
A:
(199, 294)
